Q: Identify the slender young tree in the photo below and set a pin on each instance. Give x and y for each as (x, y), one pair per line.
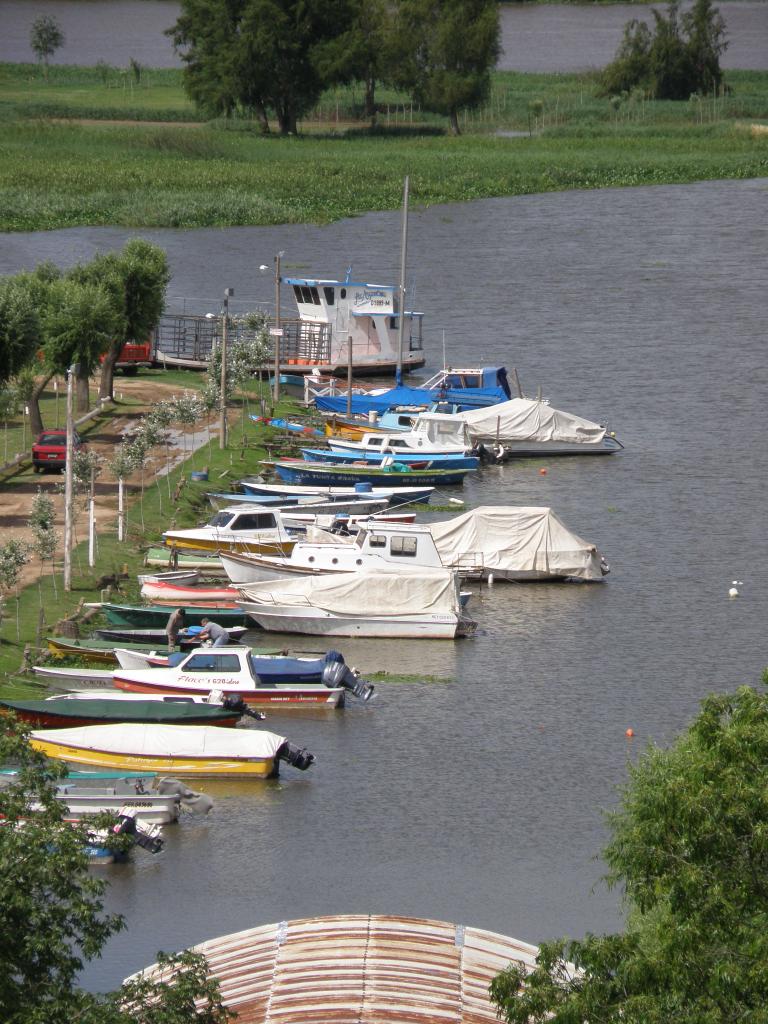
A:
(448, 49)
(45, 38)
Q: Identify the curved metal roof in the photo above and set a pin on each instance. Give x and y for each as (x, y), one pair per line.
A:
(362, 969)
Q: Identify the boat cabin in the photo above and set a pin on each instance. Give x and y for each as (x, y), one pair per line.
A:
(331, 313)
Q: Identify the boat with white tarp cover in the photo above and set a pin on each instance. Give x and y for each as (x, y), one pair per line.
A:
(374, 604)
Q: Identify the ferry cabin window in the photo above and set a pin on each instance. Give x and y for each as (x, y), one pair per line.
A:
(297, 293)
(221, 519)
(255, 521)
(213, 663)
(329, 295)
(376, 540)
(343, 293)
(315, 295)
(306, 295)
(404, 547)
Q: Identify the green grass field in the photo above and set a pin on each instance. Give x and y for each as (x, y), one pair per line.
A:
(55, 174)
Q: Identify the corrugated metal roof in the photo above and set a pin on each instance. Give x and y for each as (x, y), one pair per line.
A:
(362, 969)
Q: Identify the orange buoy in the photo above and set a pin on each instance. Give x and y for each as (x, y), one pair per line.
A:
(543, 471)
(629, 732)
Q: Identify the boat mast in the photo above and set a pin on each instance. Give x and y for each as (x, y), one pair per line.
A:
(403, 258)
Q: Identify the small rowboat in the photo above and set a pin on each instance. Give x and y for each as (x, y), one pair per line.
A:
(182, 577)
(178, 594)
(180, 750)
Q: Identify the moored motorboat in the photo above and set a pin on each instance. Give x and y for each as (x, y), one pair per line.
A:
(66, 712)
(179, 595)
(137, 615)
(68, 677)
(260, 681)
(329, 474)
(241, 529)
(181, 750)
(188, 639)
(182, 577)
(395, 495)
(417, 459)
(423, 603)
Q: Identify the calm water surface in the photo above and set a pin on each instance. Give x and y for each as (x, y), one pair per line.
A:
(476, 797)
(534, 38)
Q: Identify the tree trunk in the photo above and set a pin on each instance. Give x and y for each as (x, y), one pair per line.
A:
(454, 122)
(261, 117)
(287, 121)
(82, 398)
(107, 377)
(370, 99)
(35, 419)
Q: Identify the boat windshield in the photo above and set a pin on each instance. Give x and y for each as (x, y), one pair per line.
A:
(210, 662)
(221, 519)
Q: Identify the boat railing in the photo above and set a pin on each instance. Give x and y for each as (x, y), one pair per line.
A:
(470, 564)
(316, 386)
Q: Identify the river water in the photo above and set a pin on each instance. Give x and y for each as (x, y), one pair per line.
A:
(534, 37)
(476, 797)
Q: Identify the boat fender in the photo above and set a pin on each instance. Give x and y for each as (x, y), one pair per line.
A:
(338, 674)
(499, 452)
(299, 757)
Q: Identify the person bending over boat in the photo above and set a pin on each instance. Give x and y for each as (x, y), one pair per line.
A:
(173, 627)
(214, 632)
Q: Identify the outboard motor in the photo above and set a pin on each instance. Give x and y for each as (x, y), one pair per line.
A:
(234, 703)
(337, 673)
(148, 837)
(299, 757)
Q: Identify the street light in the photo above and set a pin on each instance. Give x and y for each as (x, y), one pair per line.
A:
(228, 293)
(72, 372)
(277, 331)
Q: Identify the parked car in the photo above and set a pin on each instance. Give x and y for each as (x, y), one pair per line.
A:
(50, 449)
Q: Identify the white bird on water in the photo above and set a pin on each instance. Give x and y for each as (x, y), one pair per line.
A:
(733, 592)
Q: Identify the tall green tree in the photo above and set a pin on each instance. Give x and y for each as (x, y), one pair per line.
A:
(52, 918)
(135, 279)
(364, 52)
(679, 57)
(447, 49)
(19, 327)
(255, 55)
(45, 38)
(689, 846)
(79, 323)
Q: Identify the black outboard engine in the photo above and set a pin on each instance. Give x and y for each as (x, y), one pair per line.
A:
(337, 673)
(148, 837)
(234, 703)
(299, 757)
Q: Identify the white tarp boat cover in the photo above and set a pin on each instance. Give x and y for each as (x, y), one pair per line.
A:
(523, 420)
(364, 593)
(166, 740)
(529, 541)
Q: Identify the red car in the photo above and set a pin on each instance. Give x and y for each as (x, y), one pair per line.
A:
(50, 449)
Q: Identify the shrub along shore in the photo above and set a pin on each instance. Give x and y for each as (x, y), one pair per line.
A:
(82, 149)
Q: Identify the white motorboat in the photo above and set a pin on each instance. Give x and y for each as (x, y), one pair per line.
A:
(450, 440)
(384, 547)
(395, 495)
(238, 529)
(149, 807)
(371, 604)
(259, 680)
(521, 428)
(66, 678)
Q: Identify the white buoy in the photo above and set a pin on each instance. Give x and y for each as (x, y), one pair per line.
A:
(456, 501)
(733, 592)
(490, 579)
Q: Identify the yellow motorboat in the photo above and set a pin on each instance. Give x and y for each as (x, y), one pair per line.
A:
(178, 750)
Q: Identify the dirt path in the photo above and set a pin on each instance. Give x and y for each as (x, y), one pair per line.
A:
(18, 491)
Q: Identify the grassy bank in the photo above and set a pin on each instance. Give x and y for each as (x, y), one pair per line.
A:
(174, 500)
(56, 175)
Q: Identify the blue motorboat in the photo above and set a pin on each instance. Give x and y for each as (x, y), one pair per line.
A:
(420, 460)
(343, 474)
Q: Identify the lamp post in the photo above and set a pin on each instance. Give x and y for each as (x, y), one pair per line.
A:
(228, 292)
(403, 258)
(69, 455)
(277, 332)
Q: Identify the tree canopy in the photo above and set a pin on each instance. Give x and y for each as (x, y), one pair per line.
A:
(689, 846)
(45, 38)
(680, 57)
(448, 49)
(53, 921)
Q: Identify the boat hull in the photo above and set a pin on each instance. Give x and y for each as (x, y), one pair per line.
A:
(538, 449)
(189, 767)
(331, 474)
(137, 616)
(315, 622)
(396, 495)
(67, 714)
(225, 542)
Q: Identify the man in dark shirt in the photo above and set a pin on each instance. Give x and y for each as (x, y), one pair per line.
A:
(173, 627)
